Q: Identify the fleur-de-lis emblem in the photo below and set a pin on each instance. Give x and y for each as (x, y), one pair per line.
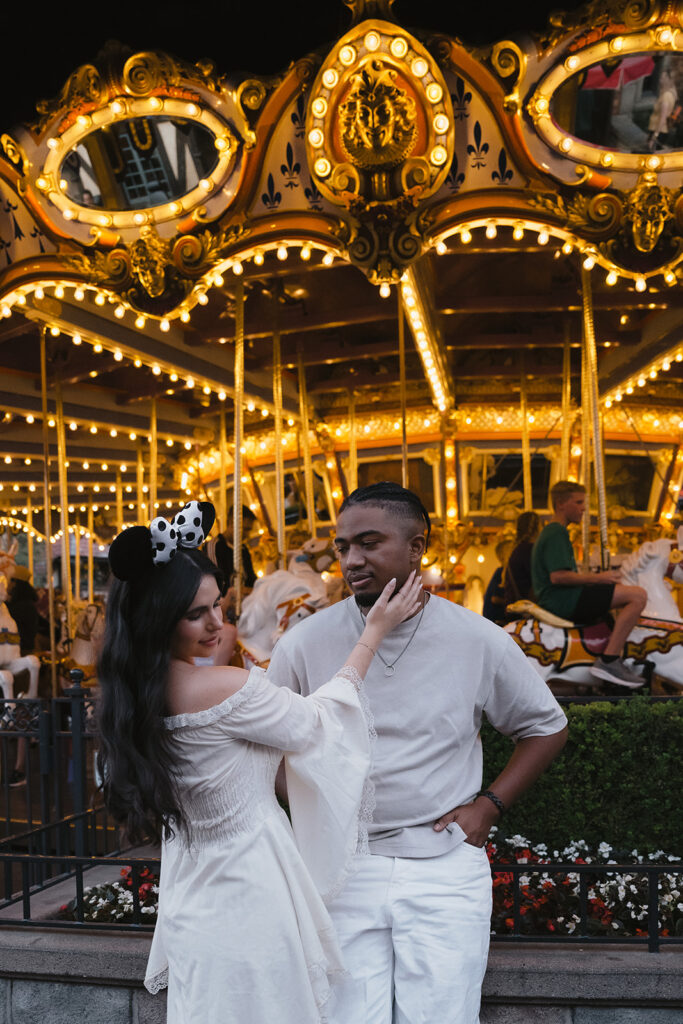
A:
(313, 196)
(271, 198)
(504, 173)
(5, 247)
(36, 233)
(299, 117)
(461, 98)
(479, 150)
(291, 169)
(454, 179)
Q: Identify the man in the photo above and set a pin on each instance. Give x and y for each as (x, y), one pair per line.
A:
(584, 597)
(414, 918)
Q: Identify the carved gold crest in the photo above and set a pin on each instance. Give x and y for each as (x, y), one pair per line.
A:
(377, 119)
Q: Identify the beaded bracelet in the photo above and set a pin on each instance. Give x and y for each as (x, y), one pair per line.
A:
(494, 799)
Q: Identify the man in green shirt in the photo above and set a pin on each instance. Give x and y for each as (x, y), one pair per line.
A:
(584, 597)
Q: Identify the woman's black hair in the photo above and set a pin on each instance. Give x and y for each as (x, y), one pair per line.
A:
(402, 502)
(135, 759)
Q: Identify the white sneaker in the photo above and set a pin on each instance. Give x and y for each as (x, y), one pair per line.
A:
(616, 672)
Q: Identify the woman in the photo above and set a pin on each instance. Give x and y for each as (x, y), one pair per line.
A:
(517, 576)
(189, 755)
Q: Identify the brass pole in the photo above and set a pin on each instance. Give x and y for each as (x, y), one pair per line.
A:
(566, 403)
(585, 477)
(402, 384)
(526, 452)
(47, 510)
(279, 456)
(238, 434)
(140, 480)
(353, 444)
(64, 505)
(91, 529)
(592, 381)
(223, 473)
(119, 502)
(153, 457)
(29, 523)
(306, 443)
(77, 558)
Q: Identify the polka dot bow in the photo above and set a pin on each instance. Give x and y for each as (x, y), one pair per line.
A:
(184, 531)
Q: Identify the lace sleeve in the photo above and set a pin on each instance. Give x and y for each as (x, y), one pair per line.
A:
(352, 674)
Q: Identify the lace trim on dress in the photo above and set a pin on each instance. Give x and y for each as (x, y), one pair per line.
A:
(196, 719)
(366, 809)
(157, 982)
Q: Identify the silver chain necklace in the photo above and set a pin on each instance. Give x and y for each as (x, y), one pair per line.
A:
(389, 669)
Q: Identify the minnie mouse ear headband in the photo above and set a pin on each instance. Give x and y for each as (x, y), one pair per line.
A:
(140, 548)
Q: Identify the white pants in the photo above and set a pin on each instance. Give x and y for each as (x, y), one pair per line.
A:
(414, 935)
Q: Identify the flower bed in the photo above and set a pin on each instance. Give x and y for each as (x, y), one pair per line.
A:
(548, 900)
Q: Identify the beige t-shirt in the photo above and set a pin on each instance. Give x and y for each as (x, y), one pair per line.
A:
(428, 756)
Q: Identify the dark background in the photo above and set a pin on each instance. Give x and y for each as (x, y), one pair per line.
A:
(43, 44)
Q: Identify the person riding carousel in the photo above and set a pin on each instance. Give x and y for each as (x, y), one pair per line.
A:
(584, 597)
(189, 754)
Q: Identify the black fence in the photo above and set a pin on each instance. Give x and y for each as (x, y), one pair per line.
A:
(57, 836)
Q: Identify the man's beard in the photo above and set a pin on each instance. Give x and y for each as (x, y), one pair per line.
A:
(366, 600)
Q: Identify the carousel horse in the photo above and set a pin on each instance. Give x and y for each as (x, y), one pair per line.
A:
(566, 653)
(11, 660)
(81, 651)
(281, 599)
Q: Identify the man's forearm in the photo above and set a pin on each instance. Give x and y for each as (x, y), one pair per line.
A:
(529, 760)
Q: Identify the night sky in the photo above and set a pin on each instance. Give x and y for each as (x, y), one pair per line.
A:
(40, 50)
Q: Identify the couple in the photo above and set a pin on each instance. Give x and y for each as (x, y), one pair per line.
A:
(256, 919)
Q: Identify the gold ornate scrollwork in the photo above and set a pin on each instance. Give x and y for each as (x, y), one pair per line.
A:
(509, 62)
(362, 10)
(377, 119)
(598, 19)
(14, 154)
(599, 215)
(146, 71)
(648, 207)
(85, 85)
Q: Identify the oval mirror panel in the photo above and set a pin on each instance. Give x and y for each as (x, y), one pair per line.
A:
(627, 104)
(138, 163)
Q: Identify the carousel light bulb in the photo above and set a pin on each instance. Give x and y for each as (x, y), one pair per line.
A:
(118, 355)
(641, 382)
(202, 298)
(140, 322)
(258, 258)
(119, 311)
(653, 374)
(629, 389)
(39, 293)
(51, 422)
(156, 369)
(282, 252)
(666, 365)
(518, 232)
(190, 382)
(385, 289)
(93, 429)
(132, 435)
(305, 252)
(55, 332)
(237, 268)
(441, 247)
(589, 263)
(73, 426)
(328, 259)
(206, 389)
(465, 236)
(222, 396)
(187, 446)
(264, 413)
(612, 277)
(491, 230)
(641, 284)
(185, 316)
(567, 248)
(99, 299)
(670, 277)
(97, 347)
(164, 325)
(30, 418)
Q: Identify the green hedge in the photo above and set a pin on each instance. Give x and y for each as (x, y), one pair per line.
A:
(619, 779)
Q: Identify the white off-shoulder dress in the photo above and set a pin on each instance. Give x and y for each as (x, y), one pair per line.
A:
(243, 936)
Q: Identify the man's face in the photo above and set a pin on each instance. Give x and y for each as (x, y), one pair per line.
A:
(573, 507)
(373, 546)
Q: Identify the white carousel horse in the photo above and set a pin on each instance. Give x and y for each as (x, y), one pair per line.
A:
(567, 653)
(11, 660)
(283, 598)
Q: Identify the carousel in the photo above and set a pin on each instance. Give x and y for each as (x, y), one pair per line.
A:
(403, 258)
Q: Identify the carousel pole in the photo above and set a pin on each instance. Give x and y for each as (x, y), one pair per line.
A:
(140, 480)
(585, 476)
(526, 453)
(153, 456)
(238, 433)
(47, 510)
(77, 558)
(353, 443)
(91, 530)
(306, 443)
(279, 458)
(223, 473)
(119, 502)
(64, 504)
(402, 386)
(29, 523)
(565, 442)
(592, 383)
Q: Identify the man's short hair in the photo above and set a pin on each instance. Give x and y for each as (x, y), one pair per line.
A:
(398, 500)
(564, 489)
